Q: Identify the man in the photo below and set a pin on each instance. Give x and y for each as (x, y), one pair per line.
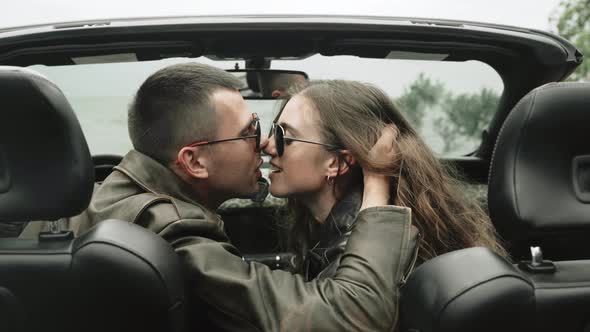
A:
(195, 146)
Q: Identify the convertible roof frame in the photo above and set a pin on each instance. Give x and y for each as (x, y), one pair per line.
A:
(524, 58)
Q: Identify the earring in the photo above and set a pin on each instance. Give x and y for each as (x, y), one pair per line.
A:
(329, 180)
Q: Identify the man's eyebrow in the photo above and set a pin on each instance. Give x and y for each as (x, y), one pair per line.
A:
(290, 128)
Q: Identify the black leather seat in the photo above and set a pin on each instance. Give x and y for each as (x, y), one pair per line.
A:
(539, 184)
(117, 276)
(466, 290)
(539, 195)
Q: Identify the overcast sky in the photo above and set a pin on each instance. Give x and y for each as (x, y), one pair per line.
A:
(460, 77)
(106, 129)
(524, 13)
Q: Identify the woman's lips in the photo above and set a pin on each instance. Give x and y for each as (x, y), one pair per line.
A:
(275, 169)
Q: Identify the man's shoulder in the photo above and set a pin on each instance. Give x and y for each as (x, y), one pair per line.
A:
(142, 191)
(178, 209)
(173, 218)
(119, 189)
(159, 212)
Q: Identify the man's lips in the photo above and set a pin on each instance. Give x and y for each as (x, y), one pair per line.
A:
(257, 170)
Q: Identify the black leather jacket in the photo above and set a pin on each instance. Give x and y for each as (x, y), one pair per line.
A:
(329, 238)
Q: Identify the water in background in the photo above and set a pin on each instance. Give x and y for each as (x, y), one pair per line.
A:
(100, 93)
(104, 123)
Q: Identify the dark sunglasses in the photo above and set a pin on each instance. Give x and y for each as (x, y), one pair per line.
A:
(255, 124)
(280, 139)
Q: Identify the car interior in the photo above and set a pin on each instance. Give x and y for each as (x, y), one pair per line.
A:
(57, 282)
(533, 161)
(538, 189)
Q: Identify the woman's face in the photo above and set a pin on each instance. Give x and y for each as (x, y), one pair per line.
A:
(303, 167)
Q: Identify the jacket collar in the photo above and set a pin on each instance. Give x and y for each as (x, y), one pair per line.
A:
(328, 238)
(154, 177)
(341, 218)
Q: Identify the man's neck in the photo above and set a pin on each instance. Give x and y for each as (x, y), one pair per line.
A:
(204, 197)
(200, 191)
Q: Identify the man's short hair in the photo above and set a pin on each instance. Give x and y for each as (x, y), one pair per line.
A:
(172, 109)
(271, 81)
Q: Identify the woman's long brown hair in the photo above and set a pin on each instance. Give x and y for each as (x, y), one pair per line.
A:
(352, 115)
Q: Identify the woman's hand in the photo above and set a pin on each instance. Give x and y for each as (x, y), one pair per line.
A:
(376, 185)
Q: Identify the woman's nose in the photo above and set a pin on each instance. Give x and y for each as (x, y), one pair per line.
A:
(269, 147)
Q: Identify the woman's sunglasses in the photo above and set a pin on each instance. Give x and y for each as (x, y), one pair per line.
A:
(255, 126)
(280, 139)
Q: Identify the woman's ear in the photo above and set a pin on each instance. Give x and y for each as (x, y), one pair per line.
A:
(341, 163)
(192, 161)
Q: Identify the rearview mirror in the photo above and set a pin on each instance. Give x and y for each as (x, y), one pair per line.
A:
(267, 83)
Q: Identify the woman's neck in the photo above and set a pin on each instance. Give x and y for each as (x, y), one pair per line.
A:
(321, 204)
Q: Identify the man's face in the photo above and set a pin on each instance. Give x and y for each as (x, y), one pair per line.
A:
(234, 166)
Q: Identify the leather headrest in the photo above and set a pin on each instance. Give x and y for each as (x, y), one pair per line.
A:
(466, 290)
(46, 170)
(539, 184)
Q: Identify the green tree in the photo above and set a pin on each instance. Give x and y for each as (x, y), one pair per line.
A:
(422, 94)
(572, 21)
(459, 119)
(465, 116)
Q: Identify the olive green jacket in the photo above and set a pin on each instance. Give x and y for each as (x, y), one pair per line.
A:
(362, 294)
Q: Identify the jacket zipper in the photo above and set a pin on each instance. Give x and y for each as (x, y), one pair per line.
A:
(414, 259)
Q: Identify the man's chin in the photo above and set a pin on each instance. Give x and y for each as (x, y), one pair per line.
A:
(245, 195)
(252, 191)
(278, 193)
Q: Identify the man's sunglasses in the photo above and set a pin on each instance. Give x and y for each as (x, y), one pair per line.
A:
(254, 125)
(280, 139)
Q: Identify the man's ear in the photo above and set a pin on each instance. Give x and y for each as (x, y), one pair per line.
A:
(341, 163)
(193, 162)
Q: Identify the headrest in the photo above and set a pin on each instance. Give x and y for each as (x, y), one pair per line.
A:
(539, 184)
(132, 274)
(45, 167)
(466, 290)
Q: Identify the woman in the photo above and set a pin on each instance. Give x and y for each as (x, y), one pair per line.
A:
(323, 132)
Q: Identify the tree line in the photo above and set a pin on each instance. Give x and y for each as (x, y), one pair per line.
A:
(460, 119)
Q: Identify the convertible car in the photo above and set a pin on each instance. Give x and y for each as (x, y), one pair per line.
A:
(486, 98)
